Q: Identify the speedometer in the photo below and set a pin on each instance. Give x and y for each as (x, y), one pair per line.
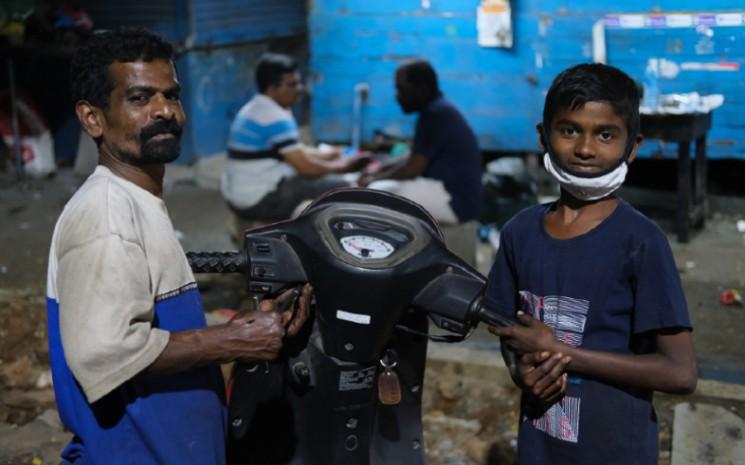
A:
(366, 247)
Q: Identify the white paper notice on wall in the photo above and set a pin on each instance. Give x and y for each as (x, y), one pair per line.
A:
(494, 23)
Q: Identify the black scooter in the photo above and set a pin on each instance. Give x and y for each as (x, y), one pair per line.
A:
(347, 390)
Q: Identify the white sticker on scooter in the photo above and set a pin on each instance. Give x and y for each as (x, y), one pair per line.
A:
(359, 318)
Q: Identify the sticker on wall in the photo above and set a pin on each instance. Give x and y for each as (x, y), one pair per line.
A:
(632, 21)
(494, 23)
(730, 19)
(674, 20)
(710, 66)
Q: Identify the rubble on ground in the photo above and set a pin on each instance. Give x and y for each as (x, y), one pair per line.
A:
(30, 429)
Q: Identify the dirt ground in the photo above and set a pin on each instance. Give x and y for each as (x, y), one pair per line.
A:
(470, 408)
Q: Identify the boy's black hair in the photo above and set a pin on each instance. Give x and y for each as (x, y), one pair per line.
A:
(420, 74)
(89, 70)
(594, 82)
(271, 67)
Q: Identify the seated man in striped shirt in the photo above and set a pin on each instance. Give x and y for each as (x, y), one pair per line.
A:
(269, 171)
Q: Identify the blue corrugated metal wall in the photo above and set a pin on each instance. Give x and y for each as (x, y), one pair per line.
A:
(204, 22)
(219, 83)
(221, 40)
(220, 80)
(227, 38)
(165, 16)
(232, 21)
(629, 49)
(501, 90)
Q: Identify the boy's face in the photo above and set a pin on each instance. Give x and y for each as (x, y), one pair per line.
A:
(589, 140)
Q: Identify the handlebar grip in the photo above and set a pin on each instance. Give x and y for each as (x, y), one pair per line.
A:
(494, 318)
(217, 262)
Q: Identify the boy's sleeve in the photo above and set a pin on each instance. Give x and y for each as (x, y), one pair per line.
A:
(660, 301)
(106, 314)
(501, 287)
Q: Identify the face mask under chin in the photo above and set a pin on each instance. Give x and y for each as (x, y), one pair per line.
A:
(586, 188)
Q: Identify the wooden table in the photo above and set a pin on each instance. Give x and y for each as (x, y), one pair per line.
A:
(683, 129)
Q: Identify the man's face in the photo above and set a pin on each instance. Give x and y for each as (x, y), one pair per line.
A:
(589, 140)
(144, 119)
(405, 94)
(287, 92)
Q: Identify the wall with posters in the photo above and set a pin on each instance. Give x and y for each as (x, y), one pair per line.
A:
(501, 88)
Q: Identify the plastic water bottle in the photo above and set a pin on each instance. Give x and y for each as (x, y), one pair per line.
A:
(651, 85)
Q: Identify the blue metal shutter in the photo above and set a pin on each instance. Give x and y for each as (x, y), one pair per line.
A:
(168, 17)
(216, 22)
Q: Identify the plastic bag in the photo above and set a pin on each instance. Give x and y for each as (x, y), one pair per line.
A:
(37, 144)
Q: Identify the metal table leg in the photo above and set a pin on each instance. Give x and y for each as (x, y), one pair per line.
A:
(701, 196)
(684, 190)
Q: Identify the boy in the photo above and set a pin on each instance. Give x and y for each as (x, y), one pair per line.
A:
(592, 281)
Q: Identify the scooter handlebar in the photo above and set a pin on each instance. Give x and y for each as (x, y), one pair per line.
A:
(482, 314)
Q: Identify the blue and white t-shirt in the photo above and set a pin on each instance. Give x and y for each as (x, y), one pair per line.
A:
(260, 134)
(609, 290)
(118, 283)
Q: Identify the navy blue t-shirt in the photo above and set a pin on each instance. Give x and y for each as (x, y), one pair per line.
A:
(444, 137)
(608, 290)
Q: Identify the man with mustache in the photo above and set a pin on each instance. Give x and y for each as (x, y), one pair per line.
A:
(135, 368)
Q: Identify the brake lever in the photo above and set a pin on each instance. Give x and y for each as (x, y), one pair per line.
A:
(291, 303)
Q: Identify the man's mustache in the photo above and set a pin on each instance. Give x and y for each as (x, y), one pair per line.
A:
(161, 127)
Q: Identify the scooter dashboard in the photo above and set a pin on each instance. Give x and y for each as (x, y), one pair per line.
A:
(366, 247)
(365, 239)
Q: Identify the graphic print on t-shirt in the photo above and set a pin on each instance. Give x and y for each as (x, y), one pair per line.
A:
(567, 317)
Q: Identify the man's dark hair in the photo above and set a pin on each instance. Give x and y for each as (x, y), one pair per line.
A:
(89, 70)
(271, 67)
(595, 82)
(421, 75)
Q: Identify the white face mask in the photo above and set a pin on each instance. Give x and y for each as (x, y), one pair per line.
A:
(587, 189)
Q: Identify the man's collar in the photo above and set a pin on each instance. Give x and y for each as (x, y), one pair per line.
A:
(437, 98)
(268, 99)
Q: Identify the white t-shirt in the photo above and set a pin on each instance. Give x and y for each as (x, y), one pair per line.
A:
(114, 255)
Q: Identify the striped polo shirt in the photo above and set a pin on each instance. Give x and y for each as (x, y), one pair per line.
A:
(260, 134)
